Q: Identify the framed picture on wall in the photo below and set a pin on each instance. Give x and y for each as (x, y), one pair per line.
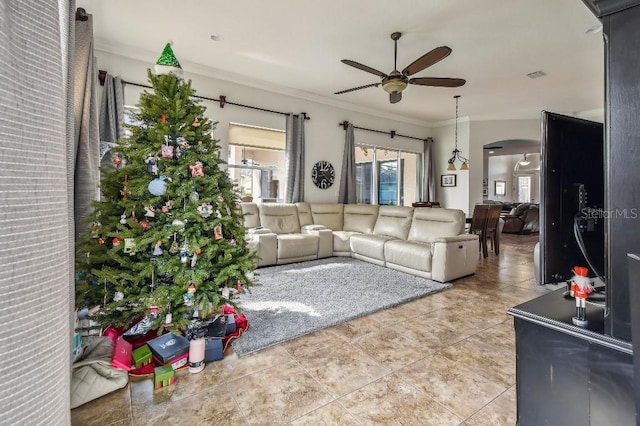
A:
(448, 180)
(500, 187)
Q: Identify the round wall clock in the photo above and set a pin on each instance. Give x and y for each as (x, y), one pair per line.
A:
(323, 174)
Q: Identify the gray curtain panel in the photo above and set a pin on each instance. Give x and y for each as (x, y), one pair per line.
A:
(294, 158)
(111, 115)
(429, 179)
(35, 257)
(87, 142)
(112, 109)
(347, 193)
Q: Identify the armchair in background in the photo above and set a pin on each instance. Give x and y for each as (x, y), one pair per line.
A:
(523, 219)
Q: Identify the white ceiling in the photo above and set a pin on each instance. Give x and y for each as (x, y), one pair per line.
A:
(295, 47)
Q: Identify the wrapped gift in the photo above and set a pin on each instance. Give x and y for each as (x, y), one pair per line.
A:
(231, 324)
(141, 356)
(122, 355)
(216, 328)
(163, 376)
(212, 350)
(175, 363)
(168, 347)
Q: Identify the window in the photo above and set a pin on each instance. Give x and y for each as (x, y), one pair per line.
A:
(524, 189)
(394, 180)
(256, 162)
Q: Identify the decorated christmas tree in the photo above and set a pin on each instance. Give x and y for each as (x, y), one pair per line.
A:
(167, 240)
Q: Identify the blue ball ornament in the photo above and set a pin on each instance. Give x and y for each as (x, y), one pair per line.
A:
(158, 186)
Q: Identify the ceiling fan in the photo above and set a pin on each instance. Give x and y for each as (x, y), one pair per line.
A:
(395, 82)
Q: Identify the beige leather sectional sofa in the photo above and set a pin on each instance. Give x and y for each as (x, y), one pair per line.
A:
(428, 242)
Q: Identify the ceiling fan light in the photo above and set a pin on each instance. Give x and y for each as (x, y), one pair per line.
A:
(394, 85)
(464, 166)
(451, 167)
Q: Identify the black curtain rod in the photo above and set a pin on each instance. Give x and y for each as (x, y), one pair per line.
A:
(102, 74)
(391, 133)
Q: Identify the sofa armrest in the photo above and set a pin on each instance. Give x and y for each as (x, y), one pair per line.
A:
(455, 239)
(325, 239)
(259, 230)
(454, 257)
(306, 228)
(265, 245)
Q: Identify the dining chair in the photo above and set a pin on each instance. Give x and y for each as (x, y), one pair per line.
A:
(479, 225)
(491, 232)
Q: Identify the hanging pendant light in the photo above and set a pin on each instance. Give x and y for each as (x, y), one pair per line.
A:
(455, 154)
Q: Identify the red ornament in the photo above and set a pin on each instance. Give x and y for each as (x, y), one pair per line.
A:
(163, 118)
(116, 160)
(116, 241)
(239, 286)
(144, 224)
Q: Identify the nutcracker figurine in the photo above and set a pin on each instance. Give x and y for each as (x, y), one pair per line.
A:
(581, 286)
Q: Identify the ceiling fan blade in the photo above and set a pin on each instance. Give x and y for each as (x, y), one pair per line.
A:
(364, 68)
(426, 60)
(438, 82)
(357, 88)
(394, 98)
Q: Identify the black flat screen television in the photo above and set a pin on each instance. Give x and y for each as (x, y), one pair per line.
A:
(572, 197)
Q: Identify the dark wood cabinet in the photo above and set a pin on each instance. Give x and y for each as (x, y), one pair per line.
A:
(567, 375)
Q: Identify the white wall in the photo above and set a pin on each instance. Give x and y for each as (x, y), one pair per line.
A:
(444, 143)
(324, 138)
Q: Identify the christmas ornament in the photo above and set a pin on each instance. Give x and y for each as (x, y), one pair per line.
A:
(205, 210)
(125, 190)
(189, 296)
(167, 206)
(129, 245)
(174, 244)
(115, 241)
(225, 292)
(197, 169)
(150, 211)
(182, 143)
(167, 151)
(194, 195)
(217, 232)
(178, 223)
(101, 240)
(168, 319)
(158, 186)
(123, 219)
(199, 142)
(144, 224)
(157, 251)
(194, 259)
(167, 63)
(239, 286)
(184, 252)
(95, 229)
(117, 160)
(118, 296)
(163, 118)
(152, 167)
(195, 123)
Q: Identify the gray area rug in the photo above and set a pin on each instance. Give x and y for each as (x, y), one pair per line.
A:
(288, 301)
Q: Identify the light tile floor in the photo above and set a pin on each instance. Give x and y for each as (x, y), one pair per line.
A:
(448, 358)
